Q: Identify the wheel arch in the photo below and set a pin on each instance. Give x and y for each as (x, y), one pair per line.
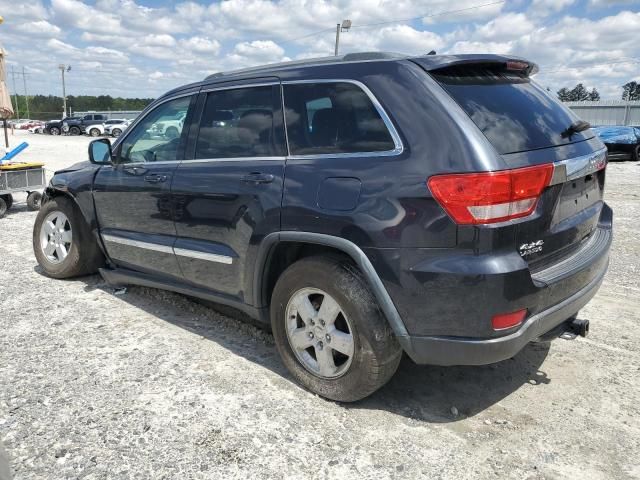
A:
(296, 245)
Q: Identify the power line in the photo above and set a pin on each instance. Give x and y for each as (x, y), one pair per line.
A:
(428, 15)
(400, 20)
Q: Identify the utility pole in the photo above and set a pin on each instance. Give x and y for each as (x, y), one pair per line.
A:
(26, 95)
(344, 27)
(62, 68)
(15, 92)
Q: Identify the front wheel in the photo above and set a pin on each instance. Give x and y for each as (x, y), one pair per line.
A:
(116, 132)
(636, 154)
(62, 242)
(329, 330)
(54, 131)
(75, 130)
(94, 132)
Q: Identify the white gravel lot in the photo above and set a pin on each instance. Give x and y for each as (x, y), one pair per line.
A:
(153, 385)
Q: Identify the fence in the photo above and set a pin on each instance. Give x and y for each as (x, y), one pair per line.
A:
(124, 114)
(608, 112)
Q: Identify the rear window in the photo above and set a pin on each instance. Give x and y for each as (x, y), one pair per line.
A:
(513, 112)
(333, 118)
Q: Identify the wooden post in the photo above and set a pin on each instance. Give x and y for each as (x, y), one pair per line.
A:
(6, 137)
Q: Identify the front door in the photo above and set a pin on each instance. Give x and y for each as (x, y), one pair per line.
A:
(133, 196)
(227, 193)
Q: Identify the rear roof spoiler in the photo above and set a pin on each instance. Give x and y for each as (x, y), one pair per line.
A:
(437, 62)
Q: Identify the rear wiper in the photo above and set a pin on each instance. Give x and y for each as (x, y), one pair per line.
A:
(575, 127)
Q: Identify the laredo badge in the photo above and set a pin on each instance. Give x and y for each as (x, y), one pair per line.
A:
(530, 248)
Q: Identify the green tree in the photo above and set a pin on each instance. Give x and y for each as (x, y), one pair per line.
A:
(631, 91)
(594, 96)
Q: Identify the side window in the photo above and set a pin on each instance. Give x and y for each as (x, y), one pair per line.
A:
(326, 118)
(157, 137)
(87, 117)
(238, 123)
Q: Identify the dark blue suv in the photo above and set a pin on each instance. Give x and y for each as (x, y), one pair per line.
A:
(364, 205)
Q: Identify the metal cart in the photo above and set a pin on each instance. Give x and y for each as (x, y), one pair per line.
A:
(21, 177)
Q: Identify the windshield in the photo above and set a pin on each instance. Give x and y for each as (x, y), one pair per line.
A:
(514, 113)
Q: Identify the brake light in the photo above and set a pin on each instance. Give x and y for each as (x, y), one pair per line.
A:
(490, 197)
(508, 320)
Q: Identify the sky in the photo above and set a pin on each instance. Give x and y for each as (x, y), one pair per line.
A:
(142, 48)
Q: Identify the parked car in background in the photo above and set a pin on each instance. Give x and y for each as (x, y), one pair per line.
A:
(21, 124)
(115, 130)
(623, 143)
(168, 127)
(313, 198)
(80, 125)
(54, 127)
(37, 127)
(100, 128)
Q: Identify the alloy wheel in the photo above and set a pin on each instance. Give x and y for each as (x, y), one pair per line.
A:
(319, 333)
(55, 237)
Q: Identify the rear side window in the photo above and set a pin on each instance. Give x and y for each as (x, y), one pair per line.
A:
(330, 118)
(238, 123)
(514, 113)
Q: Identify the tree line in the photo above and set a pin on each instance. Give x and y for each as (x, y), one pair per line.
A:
(579, 93)
(49, 107)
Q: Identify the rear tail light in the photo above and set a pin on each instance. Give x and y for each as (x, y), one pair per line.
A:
(490, 197)
(508, 320)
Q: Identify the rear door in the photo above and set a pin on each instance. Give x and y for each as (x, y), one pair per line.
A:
(227, 194)
(527, 126)
(133, 196)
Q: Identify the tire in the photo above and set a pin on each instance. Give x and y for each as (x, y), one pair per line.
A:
(171, 132)
(75, 130)
(8, 199)
(635, 156)
(116, 132)
(54, 131)
(94, 132)
(33, 201)
(375, 353)
(83, 256)
(3, 207)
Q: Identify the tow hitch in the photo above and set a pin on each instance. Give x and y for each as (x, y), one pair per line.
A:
(579, 327)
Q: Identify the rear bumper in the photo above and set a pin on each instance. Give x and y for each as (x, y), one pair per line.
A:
(435, 350)
(447, 301)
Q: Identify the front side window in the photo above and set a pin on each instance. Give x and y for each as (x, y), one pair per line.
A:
(157, 137)
(238, 123)
(327, 118)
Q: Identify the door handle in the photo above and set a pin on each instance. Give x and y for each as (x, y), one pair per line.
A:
(155, 178)
(258, 178)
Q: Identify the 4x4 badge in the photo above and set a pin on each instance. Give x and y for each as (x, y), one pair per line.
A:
(530, 248)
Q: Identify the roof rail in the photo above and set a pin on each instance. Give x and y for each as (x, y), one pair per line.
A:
(349, 57)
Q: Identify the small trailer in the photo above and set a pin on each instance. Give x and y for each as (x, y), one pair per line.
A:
(21, 177)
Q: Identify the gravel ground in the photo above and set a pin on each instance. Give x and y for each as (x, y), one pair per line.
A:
(151, 384)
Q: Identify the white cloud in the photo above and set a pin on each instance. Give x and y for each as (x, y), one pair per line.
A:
(201, 45)
(506, 27)
(39, 29)
(73, 13)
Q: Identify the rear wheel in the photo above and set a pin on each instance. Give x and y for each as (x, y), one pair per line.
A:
(54, 131)
(330, 332)
(636, 154)
(116, 132)
(171, 132)
(62, 242)
(75, 130)
(3, 207)
(33, 200)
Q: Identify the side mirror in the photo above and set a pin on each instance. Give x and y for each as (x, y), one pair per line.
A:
(100, 151)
